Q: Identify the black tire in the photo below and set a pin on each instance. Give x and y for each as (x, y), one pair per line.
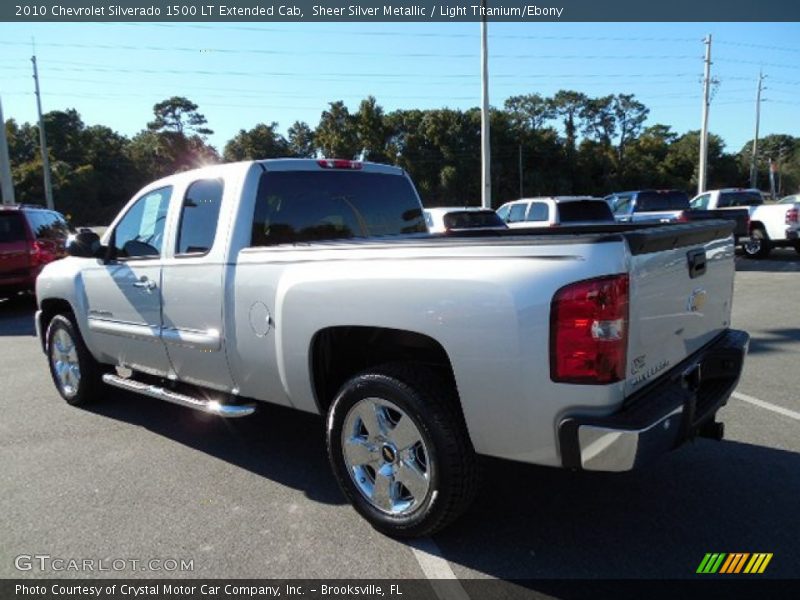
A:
(757, 245)
(449, 458)
(89, 385)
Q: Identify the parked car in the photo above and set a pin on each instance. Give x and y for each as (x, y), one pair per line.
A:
(30, 237)
(552, 211)
(453, 218)
(793, 199)
(316, 285)
(671, 206)
(661, 206)
(770, 226)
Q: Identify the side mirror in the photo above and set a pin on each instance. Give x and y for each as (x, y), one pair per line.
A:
(86, 244)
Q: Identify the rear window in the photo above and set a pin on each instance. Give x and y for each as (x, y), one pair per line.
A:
(655, 201)
(468, 219)
(584, 210)
(727, 199)
(310, 206)
(11, 227)
(47, 225)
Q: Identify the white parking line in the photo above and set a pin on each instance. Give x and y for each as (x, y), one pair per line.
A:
(768, 405)
(436, 568)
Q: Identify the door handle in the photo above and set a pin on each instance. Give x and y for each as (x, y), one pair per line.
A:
(145, 283)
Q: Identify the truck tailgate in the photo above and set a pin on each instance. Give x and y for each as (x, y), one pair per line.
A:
(681, 284)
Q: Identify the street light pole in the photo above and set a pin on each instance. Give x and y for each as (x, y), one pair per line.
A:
(486, 174)
(703, 167)
(6, 183)
(754, 157)
(48, 187)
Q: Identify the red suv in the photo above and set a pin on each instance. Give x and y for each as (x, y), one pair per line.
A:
(30, 237)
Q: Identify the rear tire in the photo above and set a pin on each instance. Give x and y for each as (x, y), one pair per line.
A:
(399, 449)
(758, 245)
(76, 374)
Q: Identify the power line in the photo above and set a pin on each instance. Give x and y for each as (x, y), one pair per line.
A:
(760, 46)
(358, 53)
(409, 34)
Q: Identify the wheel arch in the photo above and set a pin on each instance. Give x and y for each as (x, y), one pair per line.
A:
(758, 225)
(50, 307)
(340, 352)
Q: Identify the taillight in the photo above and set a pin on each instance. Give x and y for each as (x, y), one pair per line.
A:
(338, 163)
(791, 216)
(682, 217)
(589, 331)
(40, 255)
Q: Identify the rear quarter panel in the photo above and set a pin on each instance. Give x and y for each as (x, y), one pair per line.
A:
(488, 306)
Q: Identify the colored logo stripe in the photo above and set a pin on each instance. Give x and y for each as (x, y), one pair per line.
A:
(733, 563)
(711, 563)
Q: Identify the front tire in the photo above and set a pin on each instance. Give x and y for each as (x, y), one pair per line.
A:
(399, 449)
(758, 245)
(76, 374)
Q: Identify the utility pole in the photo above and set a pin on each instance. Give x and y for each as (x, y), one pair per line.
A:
(486, 169)
(753, 158)
(703, 168)
(6, 183)
(48, 188)
(521, 195)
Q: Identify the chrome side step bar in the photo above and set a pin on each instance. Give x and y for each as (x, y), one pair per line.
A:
(208, 406)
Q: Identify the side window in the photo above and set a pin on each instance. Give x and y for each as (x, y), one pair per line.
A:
(538, 212)
(199, 216)
(622, 205)
(140, 233)
(725, 200)
(701, 202)
(517, 213)
(49, 226)
(502, 212)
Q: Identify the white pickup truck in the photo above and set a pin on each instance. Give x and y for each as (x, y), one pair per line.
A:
(771, 225)
(315, 285)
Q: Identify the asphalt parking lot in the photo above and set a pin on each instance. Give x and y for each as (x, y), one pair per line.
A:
(135, 478)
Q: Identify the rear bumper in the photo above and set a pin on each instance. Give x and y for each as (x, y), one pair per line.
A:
(661, 416)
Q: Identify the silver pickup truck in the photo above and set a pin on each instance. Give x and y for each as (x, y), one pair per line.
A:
(316, 285)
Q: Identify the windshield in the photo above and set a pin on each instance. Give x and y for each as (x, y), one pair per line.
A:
(11, 227)
(655, 201)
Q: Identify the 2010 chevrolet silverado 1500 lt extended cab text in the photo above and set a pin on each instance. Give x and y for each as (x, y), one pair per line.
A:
(315, 285)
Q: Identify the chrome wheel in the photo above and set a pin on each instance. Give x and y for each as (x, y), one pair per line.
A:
(386, 456)
(753, 246)
(64, 359)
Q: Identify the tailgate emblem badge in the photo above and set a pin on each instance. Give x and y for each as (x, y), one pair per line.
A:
(697, 300)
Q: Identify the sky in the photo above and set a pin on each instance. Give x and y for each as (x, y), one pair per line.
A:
(242, 74)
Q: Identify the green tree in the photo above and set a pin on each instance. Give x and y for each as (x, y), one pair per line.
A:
(262, 141)
(173, 141)
(179, 115)
(301, 140)
(529, 112)
(337, 134)
(372, 131)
